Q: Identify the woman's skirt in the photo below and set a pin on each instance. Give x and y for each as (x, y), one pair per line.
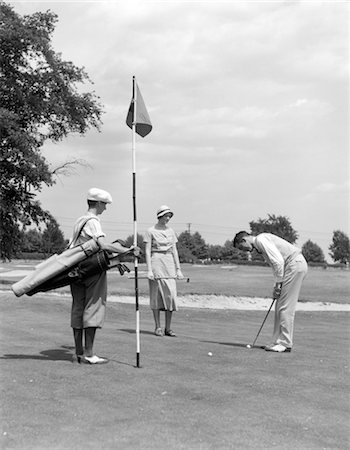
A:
(162, 289)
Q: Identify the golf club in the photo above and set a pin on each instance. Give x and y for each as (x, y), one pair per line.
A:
(144, 277)
(268, 312)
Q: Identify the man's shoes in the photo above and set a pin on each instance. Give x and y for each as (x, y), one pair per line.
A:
(170, 333)
(268, 346)
(158, 332)
(278, 348)
(94, 360)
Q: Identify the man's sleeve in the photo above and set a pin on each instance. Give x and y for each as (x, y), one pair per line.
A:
(273, 256)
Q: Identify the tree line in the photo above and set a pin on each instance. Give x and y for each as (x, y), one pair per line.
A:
(192, 247)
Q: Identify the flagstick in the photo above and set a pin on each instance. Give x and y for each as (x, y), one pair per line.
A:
(134, 93)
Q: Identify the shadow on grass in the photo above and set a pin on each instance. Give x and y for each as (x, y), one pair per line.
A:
(133, 331)
(236, 344)
(65, 353)
(56, 354)
(123, 363)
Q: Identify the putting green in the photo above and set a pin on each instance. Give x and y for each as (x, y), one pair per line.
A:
(181, 397)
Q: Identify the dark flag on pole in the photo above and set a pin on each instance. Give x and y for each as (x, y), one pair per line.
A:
(142, 120)
(138, 120)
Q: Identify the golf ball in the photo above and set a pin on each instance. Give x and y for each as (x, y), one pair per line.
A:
(249, 346)
(210, 354)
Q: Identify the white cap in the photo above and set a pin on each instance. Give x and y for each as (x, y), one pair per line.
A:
(164, 209)
(99, 195)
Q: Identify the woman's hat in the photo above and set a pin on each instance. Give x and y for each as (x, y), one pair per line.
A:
(164, 209)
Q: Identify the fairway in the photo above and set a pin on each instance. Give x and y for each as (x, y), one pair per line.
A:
(320, 285)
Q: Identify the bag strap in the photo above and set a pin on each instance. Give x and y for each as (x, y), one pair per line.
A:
(74, 240)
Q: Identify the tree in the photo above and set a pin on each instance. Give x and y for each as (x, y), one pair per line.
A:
(191, 247)
(340, 247)
(230, 253)
(200, 250)
(32, 241)
(39, 101)
(312, 252)
(129, 241)
(215, 252)
(53, 240)
(185, 247)
(278, 225)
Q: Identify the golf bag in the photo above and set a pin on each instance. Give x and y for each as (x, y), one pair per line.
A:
(55, 265)
(75, 263)
(93, 265)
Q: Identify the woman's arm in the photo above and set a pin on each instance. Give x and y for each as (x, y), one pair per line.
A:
(148, 251)
(179, 274)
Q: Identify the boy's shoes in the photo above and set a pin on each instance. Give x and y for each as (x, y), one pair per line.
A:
(278, 348)
(94, 360)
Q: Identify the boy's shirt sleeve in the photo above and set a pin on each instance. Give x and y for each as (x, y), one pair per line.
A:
(93, 228)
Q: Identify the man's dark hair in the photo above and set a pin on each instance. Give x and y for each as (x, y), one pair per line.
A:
(92, 203)
(239, 236)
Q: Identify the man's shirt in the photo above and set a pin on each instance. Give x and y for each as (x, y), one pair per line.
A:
(276, 251)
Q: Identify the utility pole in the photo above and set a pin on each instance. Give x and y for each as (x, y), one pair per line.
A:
(189, 228)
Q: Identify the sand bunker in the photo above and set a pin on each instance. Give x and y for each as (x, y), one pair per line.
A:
(242, 303)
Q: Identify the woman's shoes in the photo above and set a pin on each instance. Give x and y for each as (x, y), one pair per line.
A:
(77, 358)
(169, 333)
(158, 332)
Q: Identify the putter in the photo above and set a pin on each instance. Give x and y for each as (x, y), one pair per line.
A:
(268, 312)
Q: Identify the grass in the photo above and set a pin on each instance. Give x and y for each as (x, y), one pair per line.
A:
(180, 398)
(320, 285)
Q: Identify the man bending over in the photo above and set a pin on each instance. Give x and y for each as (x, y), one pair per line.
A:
(289, 268)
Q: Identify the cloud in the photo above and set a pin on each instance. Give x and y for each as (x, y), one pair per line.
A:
(333, 188)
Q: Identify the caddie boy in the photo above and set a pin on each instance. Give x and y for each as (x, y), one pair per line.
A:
(90, 294)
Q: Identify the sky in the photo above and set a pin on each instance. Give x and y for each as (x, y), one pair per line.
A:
(249, 102)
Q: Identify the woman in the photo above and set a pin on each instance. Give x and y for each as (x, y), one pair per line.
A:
(163, 267)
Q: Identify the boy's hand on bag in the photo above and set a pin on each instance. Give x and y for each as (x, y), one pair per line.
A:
(135, 250)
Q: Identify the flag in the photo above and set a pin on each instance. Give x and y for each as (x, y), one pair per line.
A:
(142, 120)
